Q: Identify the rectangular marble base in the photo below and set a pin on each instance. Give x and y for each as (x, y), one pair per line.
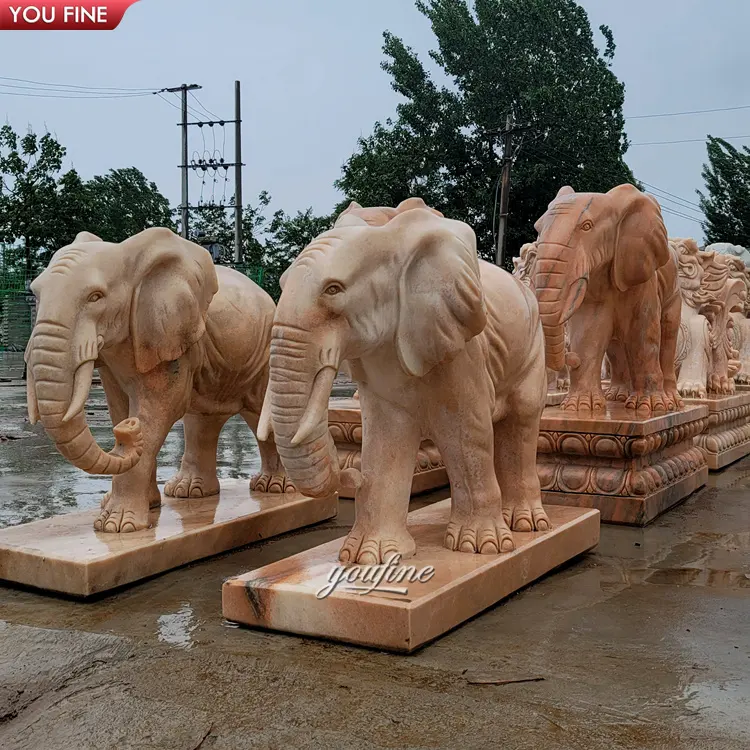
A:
(283, 595)
(726, 438)
(64, 554)
(631, 469)
(345, 425)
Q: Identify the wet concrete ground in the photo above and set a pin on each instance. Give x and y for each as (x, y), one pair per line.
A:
(644, 643)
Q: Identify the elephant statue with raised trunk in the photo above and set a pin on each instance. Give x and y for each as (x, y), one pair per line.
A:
(604, 266)
(173, 337)
(442, 346)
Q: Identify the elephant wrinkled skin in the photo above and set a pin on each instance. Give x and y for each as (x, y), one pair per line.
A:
(442, 346)
(172, 336)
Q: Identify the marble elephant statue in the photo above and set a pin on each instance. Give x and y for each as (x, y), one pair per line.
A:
(172, 336)
(604, 266)
(442, 346)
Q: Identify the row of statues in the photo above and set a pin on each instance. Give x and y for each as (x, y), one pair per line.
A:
(442, 345)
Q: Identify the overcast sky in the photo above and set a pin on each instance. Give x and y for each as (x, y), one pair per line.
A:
(312, 84)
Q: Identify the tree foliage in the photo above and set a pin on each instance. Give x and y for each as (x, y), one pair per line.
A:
(726, 203)
(536, 59)
(43, 209)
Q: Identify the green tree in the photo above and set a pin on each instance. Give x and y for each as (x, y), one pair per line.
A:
(726, 203)
(124, 202)
(535, 59)
(29, 166)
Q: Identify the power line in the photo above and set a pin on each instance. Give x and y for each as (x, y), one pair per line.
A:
(204, 108)
(666, 192)
(683, 216)
(691, 140)
(689, 112)
(75, 86)
(75, 95)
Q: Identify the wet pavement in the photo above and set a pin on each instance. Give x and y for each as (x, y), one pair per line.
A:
(644, 643)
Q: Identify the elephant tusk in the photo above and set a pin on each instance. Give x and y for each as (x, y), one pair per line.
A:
(265, 428)
(31, 401)
(81, 387)
(317, 406)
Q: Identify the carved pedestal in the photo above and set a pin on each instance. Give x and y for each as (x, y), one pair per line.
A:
(345, 424)
(66, 555)
(726, 438)
(375, 607)
(631, 469)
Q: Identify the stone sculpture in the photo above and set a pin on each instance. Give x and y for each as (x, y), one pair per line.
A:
(741, 322)
(604, 264)
(713, 287)
(523, 269)
(173, 337)
(727, 248)
(442, 346)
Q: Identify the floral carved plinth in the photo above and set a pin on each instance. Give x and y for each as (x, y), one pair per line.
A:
(726, 438)
(630, 469)
(345, 426)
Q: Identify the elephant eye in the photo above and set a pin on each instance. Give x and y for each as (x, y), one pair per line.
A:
(96, 296)
(587, 225)
(332, 289)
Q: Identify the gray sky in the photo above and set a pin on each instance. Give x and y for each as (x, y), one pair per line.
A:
(312, 84)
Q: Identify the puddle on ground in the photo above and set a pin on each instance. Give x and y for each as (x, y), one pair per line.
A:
(176, 629)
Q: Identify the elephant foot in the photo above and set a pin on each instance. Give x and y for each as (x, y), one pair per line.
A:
(584, 401)
(153, 502)
(276, 484)
(674, 401)
(524, 518)
(645, 404)
(720, 384)
(617, 393)
(742, 378)
(692, 389)
(186, 483)
(117, 519)
(480, 534)
(367, 547)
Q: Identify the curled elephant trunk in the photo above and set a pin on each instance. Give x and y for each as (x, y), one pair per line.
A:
(60, 406)
(300, 384)
(560, 288)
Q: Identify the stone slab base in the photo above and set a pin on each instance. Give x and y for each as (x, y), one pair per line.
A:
(345, 425)
(555, 398)
(726, 439)
(64, 554)
(285, 595)
(630, 469)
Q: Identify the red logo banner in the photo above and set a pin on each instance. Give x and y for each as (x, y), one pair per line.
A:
(62, 15)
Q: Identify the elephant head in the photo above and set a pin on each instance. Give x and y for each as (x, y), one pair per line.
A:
(360, 290)
(145, 299)
(620, 232)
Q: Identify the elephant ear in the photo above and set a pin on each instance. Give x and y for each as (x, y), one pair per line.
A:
(441, 303)
(642, 245)
(175, 281)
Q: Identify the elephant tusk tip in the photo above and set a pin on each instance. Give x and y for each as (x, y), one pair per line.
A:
(68, 415)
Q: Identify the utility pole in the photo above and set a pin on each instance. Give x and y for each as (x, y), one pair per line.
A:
(504, 191)
(185, 206)
(237, 173)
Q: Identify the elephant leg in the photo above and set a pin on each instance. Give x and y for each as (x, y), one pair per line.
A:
(465, 438)
(590, 333)
(620, 384)
(670, 327)
(272, 476)
(117, 400)
(642, 336)
(516, 441)
(390, 442)
(160, 401)
(197, 474)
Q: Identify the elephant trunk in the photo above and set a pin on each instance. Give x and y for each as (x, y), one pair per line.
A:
(560, 288)
(59, 403)
(299, 387)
